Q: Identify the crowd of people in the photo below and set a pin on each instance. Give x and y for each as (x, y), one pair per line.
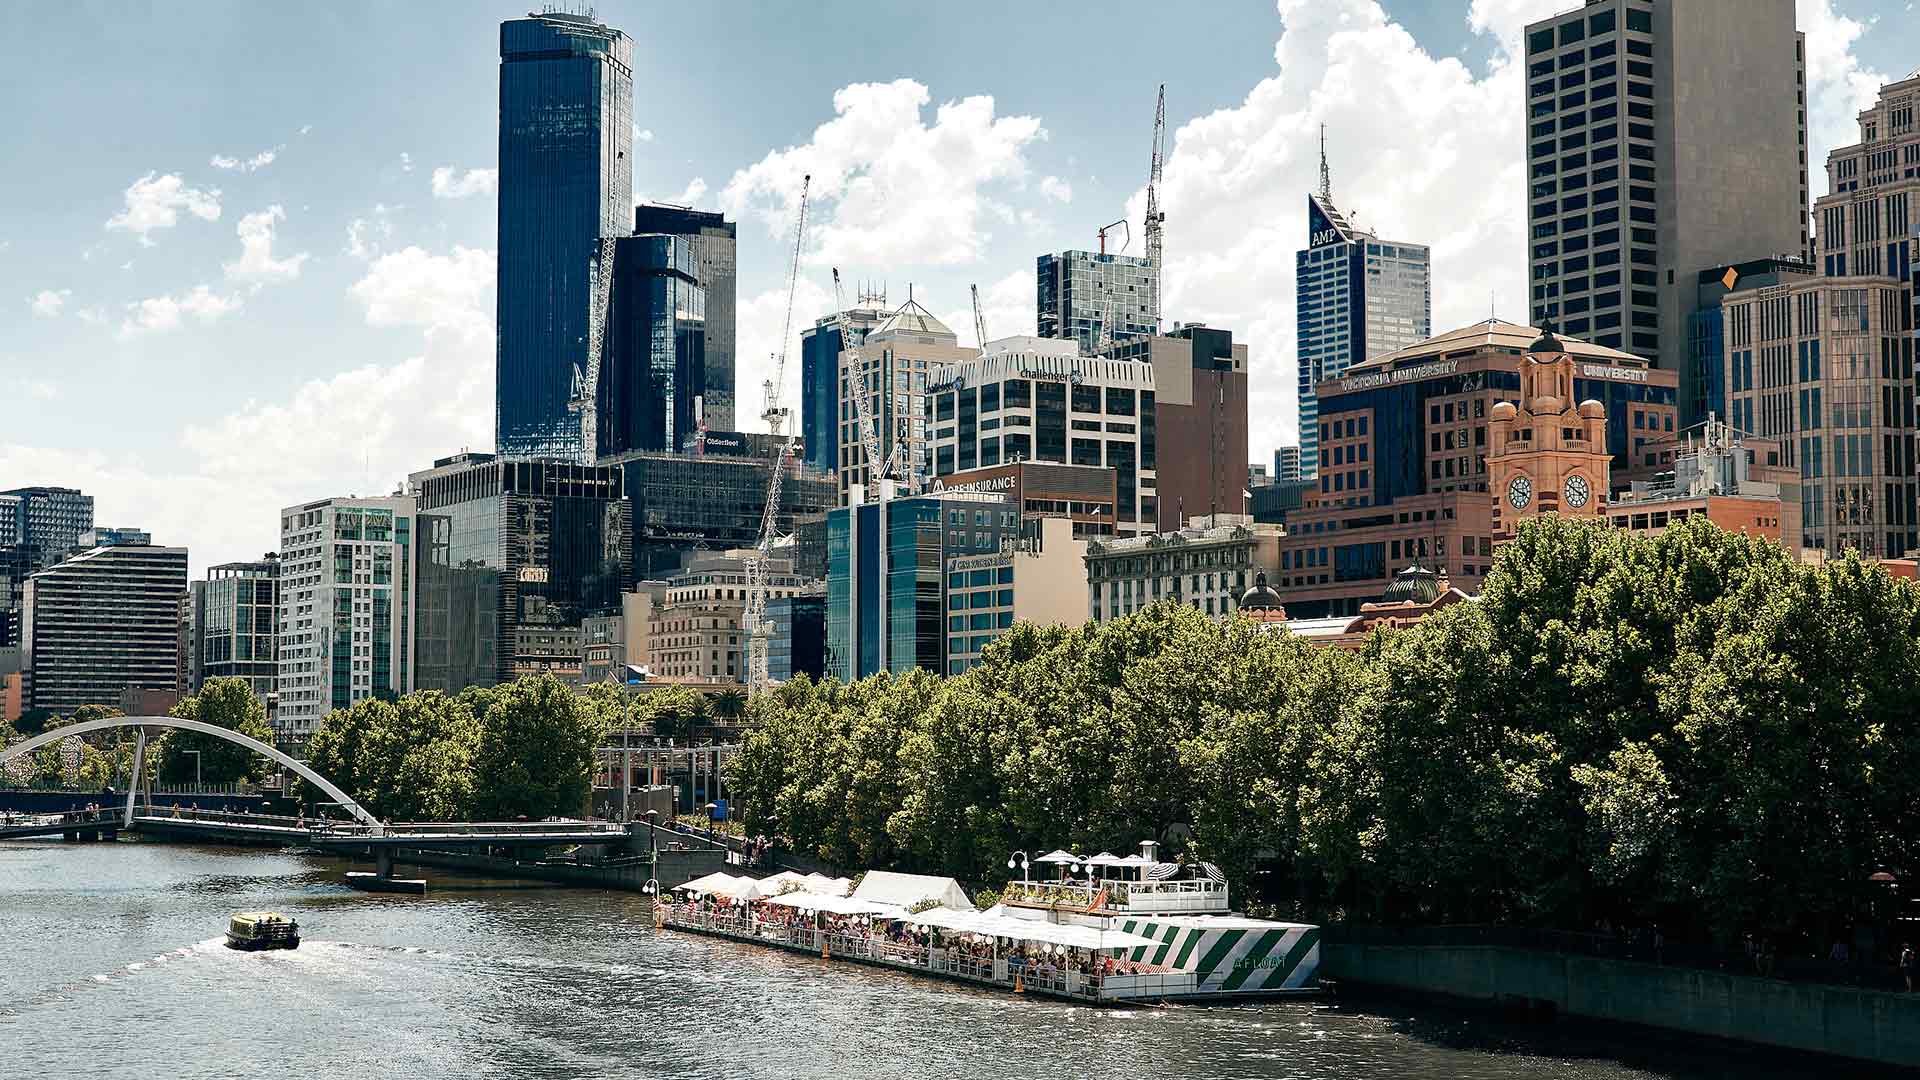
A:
(969, 953)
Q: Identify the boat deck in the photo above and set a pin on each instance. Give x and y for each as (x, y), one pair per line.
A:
(949, 964)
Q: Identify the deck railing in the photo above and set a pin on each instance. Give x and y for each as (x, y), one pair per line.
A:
(1135, 897)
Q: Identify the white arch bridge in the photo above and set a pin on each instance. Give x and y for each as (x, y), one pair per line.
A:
(142, 723)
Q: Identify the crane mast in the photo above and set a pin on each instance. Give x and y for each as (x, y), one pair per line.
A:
(979, 322)
(863, 407)
(1156, 218)
(754, 618)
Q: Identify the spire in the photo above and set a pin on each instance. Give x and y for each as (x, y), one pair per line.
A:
(1326, 175)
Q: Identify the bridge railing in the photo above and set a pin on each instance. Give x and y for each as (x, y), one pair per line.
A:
(188, 813)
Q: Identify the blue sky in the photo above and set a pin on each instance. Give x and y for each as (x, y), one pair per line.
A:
(247, 258)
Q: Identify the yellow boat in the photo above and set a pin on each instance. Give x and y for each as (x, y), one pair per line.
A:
(253, 930)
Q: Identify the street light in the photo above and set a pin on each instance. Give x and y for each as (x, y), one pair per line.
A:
(1025, 865)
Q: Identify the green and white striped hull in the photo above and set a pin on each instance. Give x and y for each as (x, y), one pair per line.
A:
(1231, 959)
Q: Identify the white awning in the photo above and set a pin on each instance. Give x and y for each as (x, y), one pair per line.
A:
(706, 884)
(1036, 930)
(833, 905)
(1058, 856)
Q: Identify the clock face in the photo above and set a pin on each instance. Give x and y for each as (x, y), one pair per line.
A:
(1519, 492)
(1577, 492)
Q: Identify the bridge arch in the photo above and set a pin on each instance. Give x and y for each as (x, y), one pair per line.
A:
(200, 726)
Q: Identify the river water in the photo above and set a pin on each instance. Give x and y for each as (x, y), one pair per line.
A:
(112, 964)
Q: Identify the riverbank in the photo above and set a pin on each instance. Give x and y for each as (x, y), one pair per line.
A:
(1835, 1021)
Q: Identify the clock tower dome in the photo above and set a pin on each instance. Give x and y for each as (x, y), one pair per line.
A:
(1546, 455)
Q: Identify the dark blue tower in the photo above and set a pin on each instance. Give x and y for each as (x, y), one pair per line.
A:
(566, 181)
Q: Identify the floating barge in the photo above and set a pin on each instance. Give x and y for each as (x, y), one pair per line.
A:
(1117, 934)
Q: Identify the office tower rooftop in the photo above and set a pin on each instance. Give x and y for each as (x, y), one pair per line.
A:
(1078, 293)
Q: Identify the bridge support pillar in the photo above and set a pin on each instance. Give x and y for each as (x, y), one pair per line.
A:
(383, 861)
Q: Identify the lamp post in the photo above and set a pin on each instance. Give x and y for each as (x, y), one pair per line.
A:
(1024, 863)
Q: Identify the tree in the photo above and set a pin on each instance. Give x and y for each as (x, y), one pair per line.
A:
(224, 702)
(729, 705)
(535, 756)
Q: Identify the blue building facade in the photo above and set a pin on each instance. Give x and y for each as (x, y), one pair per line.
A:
(820, 419)
(566, 181)
(886, 565)
(1356, 297)
(654, 365)
(799, 642)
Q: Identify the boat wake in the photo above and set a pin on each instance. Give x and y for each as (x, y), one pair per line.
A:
(55, 994)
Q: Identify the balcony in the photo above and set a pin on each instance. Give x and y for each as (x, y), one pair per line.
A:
(1120, 897)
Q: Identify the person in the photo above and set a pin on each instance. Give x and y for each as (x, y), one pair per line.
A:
(1906, 965)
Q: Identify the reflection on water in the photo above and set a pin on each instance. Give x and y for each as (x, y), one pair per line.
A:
(111, 965)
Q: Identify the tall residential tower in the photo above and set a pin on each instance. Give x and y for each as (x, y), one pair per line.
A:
(566, 182)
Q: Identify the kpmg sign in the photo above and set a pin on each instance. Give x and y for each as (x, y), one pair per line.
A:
(1415, 373)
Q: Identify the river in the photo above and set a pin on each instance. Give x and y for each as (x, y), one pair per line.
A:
(112, 965)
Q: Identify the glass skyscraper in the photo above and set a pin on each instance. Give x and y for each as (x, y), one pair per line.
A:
(714, 241)
(1077, 292)
(566, 181)
(654, 368)
(1358, 296)
(821, 409)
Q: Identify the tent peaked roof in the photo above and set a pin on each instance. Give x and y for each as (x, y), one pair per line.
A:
(906, 890)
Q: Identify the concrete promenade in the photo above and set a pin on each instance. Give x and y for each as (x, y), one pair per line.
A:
(1841, 1021)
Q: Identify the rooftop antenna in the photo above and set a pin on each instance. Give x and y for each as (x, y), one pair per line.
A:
(1326, 174)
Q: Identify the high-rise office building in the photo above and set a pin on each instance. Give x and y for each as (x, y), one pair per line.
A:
(1038, 400)
(1356, 296)
(714, 241)
(892, 368)
(1079, 293)
(346, 608)
(234, 626)
(1869, 220)
(1662, 138)
(48, 520)
(558, 535)
(1039, 577)
(797, 643)
(821, 403)
(696, 632)
(886, 570)
(688, 503)
(566, 182)
(654, 367)
(1198, 441)
(103, 622)
(1286, 463)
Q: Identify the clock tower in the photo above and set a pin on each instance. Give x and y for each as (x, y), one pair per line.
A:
(1546, 456)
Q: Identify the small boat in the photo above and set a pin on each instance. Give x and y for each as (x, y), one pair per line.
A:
(253, 930)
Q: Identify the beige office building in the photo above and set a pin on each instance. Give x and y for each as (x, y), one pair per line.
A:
(891, 367)
(1039, 578)
(695, 631)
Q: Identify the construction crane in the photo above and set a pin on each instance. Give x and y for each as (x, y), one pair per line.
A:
(586, 374)
(1156, 218)
(979, 322)
(863, 408)
(754, 618)
(1106, 322)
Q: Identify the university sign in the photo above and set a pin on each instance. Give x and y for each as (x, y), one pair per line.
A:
(1415, 373)
(1618, 374)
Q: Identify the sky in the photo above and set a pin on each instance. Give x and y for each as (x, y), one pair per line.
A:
(234, 278)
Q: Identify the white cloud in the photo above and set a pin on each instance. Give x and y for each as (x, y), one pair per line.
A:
(155, 201)
(37, 389)
(256, 264)
(1423, 149)
(406, 161)
(1056, 189)
(162, 313)
(252, 164)
(448, 183)
(93, 313)
(641, 134)
(47, 303)
(365, 236)
(1839, 86)
(304, 128)
(757, 319)
(695, 191)
(1007, 306)
(889, 188)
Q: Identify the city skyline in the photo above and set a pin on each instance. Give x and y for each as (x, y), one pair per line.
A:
(349, 339)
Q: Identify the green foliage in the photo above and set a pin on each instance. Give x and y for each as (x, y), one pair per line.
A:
(535, 752)
(1690, 727)
(224, 702)
(410, 760)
